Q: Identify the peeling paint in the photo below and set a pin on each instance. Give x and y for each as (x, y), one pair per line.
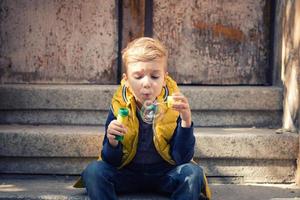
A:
(221, 30)
(215, 42)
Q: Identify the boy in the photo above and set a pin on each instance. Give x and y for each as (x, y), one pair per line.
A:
(154, 155)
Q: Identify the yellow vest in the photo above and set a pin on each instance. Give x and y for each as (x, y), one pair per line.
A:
(163, 126)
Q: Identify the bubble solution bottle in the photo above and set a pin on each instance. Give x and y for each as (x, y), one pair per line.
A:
(122, 116)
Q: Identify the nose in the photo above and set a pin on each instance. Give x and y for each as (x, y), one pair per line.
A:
(147, 82)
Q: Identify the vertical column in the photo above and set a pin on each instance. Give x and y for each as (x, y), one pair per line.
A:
(290, 68)
(277, 42)
(290, 63)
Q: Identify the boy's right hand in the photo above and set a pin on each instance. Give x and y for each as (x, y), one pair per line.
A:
(115, 128)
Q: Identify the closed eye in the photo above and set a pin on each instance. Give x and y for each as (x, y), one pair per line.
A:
(138, 76)
(155, 76)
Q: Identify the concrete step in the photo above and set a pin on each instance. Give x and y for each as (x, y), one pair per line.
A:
(15, 187)
(234, 106)
(243, 154)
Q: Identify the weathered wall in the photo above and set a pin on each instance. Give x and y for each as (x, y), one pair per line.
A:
(58, 41)
(210, 41)
(215, 41)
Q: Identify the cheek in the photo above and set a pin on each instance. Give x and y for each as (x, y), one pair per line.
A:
(160, 83)
(158, 86)
(133, 84)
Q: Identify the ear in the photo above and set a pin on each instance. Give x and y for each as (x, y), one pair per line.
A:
(124, 76)
(165, 78)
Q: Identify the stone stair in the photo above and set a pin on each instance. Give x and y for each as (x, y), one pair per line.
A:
(57, 129)
(232, 106)
(41, 187)
(241, 154)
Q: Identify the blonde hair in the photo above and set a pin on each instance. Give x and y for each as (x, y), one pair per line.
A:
(143, 49)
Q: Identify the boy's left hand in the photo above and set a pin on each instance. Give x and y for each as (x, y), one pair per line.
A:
(182, 105)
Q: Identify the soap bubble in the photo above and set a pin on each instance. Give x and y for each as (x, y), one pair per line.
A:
(151, 111)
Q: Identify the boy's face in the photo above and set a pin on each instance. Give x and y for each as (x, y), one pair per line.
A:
(146, 79)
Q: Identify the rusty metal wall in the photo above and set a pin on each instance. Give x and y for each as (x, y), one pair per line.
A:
(58, 41)
(209, 41)
(215, 41)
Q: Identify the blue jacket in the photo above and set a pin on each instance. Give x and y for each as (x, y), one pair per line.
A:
(182, 145)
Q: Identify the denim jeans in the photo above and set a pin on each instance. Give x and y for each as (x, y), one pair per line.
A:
(103, 181)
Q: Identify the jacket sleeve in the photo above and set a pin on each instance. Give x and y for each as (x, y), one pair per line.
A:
(182, 144)
(110, 154)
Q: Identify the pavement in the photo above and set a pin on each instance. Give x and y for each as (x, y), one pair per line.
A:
(54, 187)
